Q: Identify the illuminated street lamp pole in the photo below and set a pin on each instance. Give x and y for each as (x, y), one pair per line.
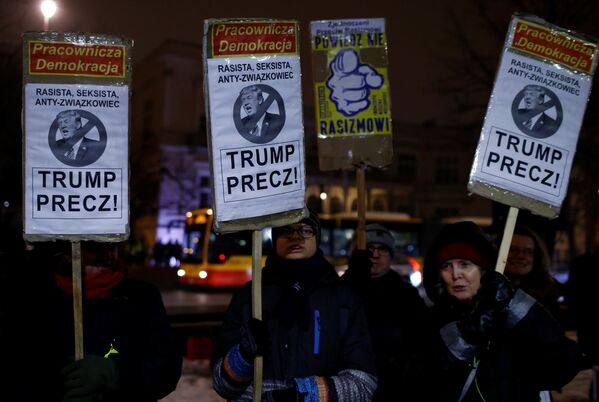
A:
(48, 8)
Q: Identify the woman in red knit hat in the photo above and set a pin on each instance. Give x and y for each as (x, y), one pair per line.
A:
(494, 344)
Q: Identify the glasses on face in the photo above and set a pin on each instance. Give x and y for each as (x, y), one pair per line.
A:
(384, 251)
(522, 250)
(306, 232)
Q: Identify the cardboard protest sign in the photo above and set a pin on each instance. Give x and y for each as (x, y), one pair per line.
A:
(254, 109)
(528, 140)
(351, 87)
(76, 128)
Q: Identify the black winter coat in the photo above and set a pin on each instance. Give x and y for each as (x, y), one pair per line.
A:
(132, 318)
(401, 331)
(322, 334)
(529, 354)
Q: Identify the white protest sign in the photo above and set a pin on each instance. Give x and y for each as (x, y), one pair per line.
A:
(76, 159)
(255, 113)
(528, 140)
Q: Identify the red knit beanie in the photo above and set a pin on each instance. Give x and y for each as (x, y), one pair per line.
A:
(462, 251)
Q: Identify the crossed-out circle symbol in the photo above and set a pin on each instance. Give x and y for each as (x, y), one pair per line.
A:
(245, 125)
(58, 147)
(544, 125)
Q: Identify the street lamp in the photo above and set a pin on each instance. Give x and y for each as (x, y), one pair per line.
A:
(48, 8)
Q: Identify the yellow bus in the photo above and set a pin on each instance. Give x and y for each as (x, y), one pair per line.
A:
(216, 261)
(225, 261)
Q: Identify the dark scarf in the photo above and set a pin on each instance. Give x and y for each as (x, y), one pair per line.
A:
(297, 278)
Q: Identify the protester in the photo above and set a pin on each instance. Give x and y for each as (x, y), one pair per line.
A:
(314, 335)
(129, 349)
(398, 319)
(583, 300)
(528, 268)
(494, 344)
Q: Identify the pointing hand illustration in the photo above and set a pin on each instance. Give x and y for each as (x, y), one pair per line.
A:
(351, 81)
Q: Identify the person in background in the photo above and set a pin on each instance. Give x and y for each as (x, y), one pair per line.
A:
(129, 348)
(583, 301)
(313, 336)
(398, 319)
(528, 266)
(495, 344)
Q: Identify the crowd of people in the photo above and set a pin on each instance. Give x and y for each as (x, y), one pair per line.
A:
(364, 336)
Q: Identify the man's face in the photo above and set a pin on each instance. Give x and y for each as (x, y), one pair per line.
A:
(295, 246)
(532, 99)
(381, 260)
(250, 102)
(68, 125)
(521, 256)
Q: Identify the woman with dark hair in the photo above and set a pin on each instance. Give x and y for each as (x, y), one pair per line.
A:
(494, 344)
(528, 266)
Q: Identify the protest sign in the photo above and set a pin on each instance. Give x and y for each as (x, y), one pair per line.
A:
(351, 87)
(76, 127)
(254, 109)
(528, 140)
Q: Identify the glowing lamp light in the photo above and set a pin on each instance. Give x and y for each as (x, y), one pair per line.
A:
(203, 274)
(48, 8)
(323, 196)
(416, 278)
(222, 257)
(180, 272)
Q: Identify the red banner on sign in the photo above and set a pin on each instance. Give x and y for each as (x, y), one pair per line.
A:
(254, 38)
(554, 45)
(61, 58)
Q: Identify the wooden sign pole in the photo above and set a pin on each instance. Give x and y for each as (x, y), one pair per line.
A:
(361, 230)
(77, 298)
(257, 306)
(506, 241)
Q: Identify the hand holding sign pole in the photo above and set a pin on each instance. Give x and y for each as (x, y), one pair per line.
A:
(255, 133)
(76, 167)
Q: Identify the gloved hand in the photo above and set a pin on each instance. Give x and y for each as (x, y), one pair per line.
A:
(254, 339)
(283, 395)
(493, 297)
(478, 326)
(358, 269)
(496, 291)
(90, 376)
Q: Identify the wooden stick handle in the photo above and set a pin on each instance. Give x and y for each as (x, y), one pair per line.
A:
(506, 241)
(77, 298)
(361, 229)
(257, 306)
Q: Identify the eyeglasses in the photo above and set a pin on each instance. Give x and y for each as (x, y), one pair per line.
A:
(522, 250)
(306, 232)
(383, 250)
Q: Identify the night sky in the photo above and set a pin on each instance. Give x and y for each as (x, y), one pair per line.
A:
(416, 30)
